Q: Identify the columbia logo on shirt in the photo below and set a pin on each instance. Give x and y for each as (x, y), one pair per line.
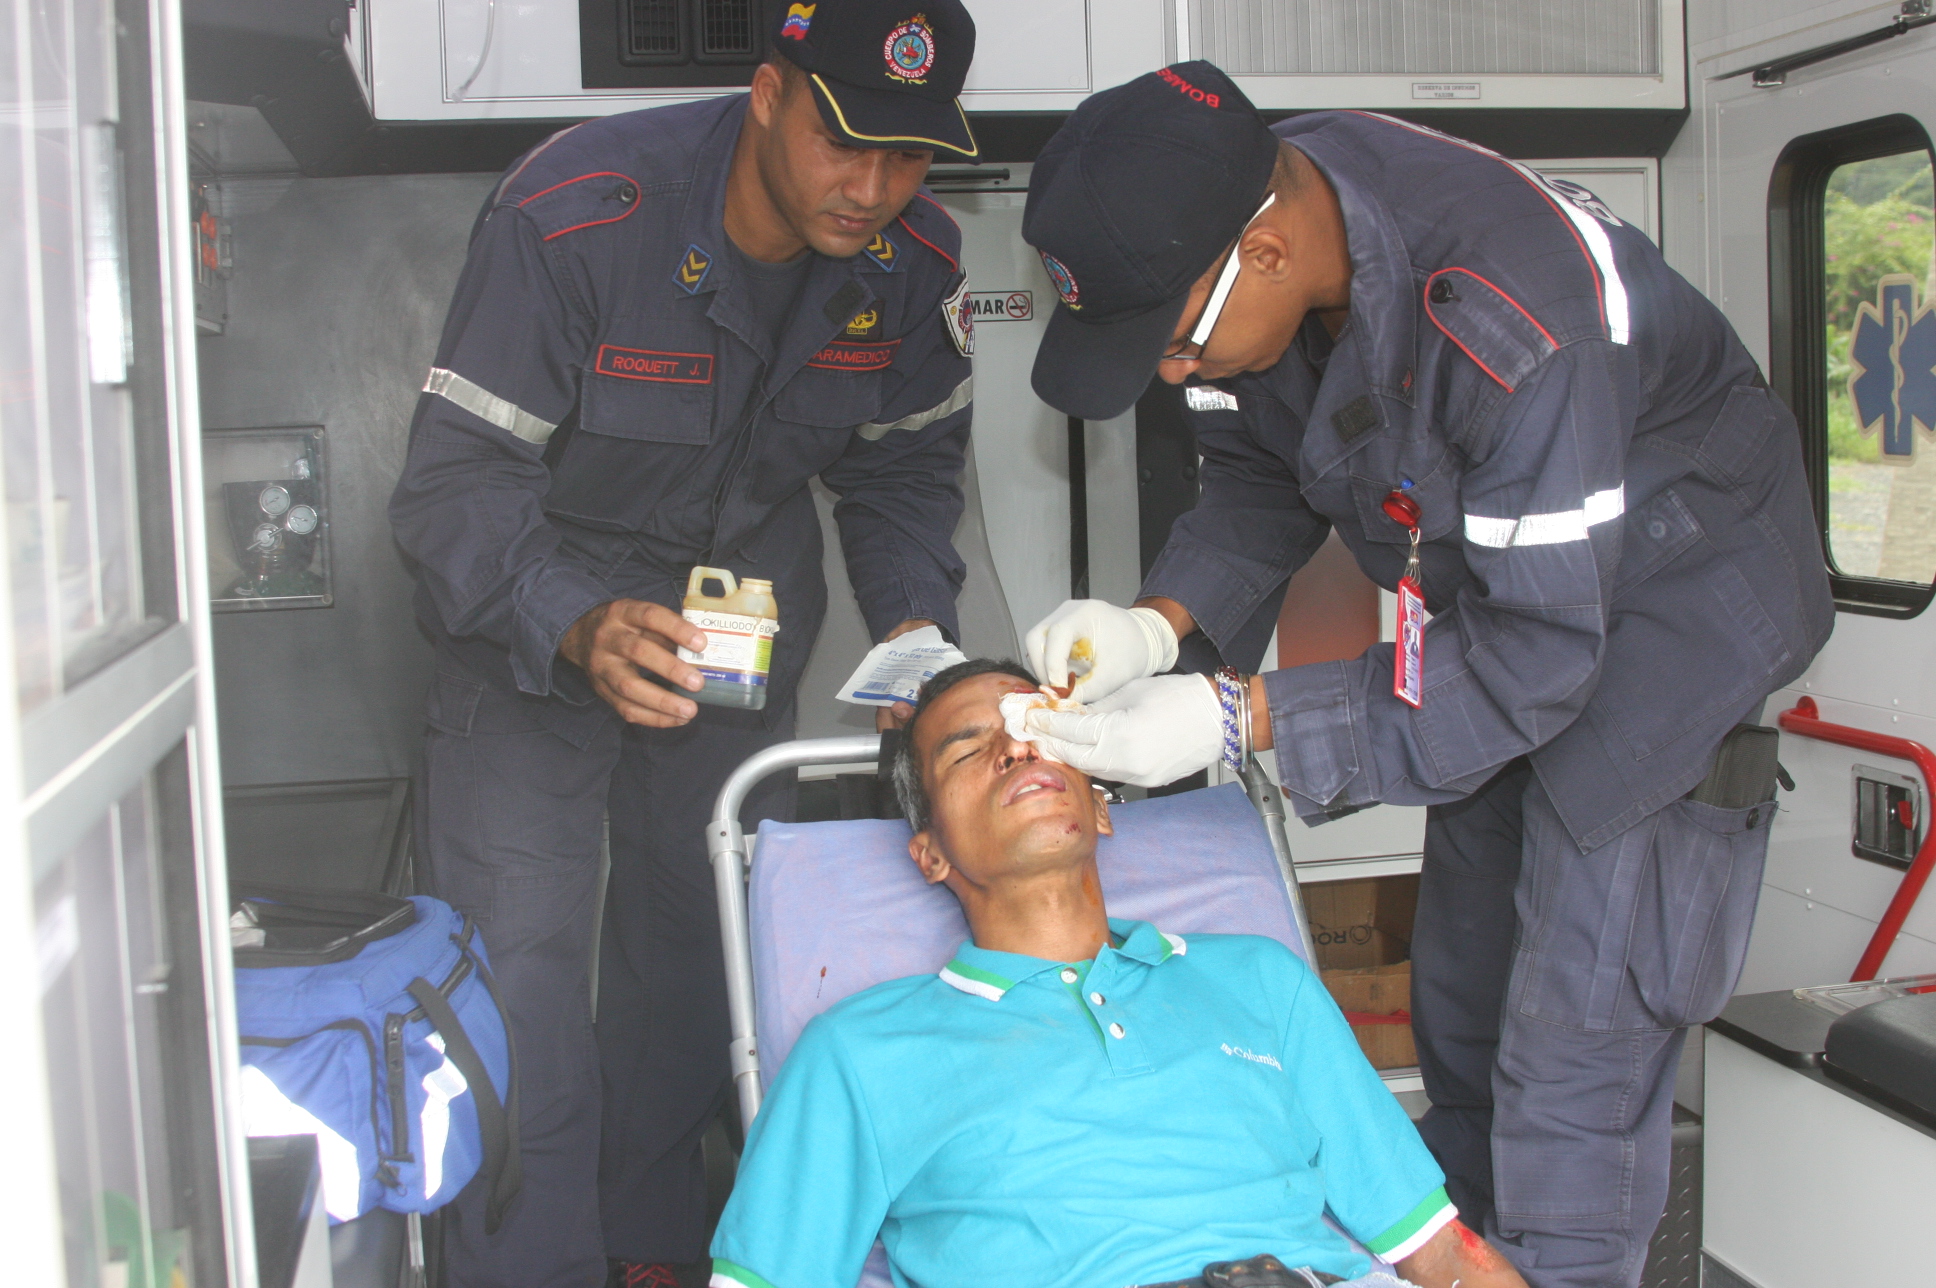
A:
(1243, 1053)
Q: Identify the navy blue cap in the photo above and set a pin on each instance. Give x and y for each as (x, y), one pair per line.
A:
(1132, 201)
(886, 73)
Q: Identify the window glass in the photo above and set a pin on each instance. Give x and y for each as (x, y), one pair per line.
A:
(1878, 231)
(83, 432)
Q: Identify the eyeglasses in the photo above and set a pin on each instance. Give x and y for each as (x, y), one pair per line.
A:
(1219, 295)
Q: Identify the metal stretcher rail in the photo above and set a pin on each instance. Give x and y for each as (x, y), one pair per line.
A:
(726, 844)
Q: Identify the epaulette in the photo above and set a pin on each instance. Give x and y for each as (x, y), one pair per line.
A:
(930, 225)
(1492, 327)
(584, 201)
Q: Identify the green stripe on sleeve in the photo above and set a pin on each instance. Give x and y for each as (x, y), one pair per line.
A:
(1411, 1223)
(728, 1275)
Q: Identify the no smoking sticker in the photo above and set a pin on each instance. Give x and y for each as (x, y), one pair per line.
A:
(1004, 306)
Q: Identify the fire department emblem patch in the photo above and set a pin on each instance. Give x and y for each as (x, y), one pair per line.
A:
(1063, 280)
(909, 51)
(958, 311)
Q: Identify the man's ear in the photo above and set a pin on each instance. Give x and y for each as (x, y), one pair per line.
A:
(1103, 826)
(1266, 251)
(763, 100)
(928, 857)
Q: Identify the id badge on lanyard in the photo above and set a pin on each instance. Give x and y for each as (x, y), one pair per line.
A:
(1408, 662)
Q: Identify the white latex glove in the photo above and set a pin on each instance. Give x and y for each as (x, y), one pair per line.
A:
(1109, 647)
(1150, 732)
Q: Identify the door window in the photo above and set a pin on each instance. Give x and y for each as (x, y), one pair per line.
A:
(1852, 350)
(1878, 230)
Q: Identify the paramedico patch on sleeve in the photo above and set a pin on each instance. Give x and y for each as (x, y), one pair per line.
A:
(652, 364)
(842, 356)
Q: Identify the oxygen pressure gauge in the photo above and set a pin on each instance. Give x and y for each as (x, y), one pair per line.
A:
(301, 520)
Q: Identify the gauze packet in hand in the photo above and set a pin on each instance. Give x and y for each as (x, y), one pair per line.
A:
(895, 670)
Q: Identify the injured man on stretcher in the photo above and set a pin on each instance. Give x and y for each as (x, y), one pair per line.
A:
(1075, 1100)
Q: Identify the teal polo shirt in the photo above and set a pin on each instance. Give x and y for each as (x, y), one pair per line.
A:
(1128, 1120)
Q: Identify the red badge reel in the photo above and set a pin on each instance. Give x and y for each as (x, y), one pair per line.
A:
(1408, 664)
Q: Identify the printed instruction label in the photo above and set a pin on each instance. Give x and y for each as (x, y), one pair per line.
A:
(1445, 89)
(739, 648)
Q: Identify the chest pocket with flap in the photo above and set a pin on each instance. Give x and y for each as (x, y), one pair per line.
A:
(829, 399)
(660, 394)
(1436, 492)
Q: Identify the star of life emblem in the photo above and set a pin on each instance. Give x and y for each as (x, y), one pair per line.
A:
(1892, 359)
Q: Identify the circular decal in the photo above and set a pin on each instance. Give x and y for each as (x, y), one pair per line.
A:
(1062, 279)
(910, 50)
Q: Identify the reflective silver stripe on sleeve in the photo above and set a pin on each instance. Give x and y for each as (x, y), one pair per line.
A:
(485, 405)
(1547, 529)
(963, 395)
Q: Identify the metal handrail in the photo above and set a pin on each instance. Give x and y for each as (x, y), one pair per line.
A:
(726, 845)
(1804, 720)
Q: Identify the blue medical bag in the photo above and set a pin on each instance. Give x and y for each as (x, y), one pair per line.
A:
(371, 1022)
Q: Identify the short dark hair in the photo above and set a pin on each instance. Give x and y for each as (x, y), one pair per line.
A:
(908, 787)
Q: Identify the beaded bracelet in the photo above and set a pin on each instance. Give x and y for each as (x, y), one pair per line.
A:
(1230, 697)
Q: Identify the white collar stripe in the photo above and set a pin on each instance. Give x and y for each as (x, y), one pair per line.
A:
(1547, 529)
(973, 986)
(1177, 943)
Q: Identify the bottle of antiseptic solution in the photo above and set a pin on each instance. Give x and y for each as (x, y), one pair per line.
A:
(740, 625)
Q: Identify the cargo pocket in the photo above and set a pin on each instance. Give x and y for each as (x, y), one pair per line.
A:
(1691, 924)
(453, 704)
(1646, 932)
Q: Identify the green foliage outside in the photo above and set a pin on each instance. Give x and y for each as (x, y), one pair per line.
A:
(1878, 217)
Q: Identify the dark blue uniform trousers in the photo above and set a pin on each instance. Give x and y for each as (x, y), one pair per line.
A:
(510, 826)
(1551, 993)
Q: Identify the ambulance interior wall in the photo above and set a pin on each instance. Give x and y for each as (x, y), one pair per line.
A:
(335, 303)
(334, 308)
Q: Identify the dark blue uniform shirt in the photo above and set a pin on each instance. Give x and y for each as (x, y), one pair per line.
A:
(1618, 545)
(614, 401)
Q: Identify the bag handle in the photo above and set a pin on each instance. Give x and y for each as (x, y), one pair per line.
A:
(513, 1115)
(500, 1151)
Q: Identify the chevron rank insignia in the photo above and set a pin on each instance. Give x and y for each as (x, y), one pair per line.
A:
(882, 252)
(692, 270)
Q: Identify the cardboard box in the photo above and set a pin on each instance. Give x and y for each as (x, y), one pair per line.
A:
(1362, 923)
(1377, 990)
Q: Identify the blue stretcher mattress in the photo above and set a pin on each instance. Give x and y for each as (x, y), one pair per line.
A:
(821, 894)
(836, 908)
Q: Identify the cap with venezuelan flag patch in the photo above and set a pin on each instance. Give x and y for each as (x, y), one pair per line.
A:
(886, 73)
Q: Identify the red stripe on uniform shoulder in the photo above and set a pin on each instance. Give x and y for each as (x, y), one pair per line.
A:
(1592, 268)
(589, 223)
(954, 264)
(1502, 295)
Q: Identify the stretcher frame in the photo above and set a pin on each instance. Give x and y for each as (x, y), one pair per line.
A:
(732, 865)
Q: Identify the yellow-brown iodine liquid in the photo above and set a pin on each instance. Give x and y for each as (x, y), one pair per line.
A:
(740, 625)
